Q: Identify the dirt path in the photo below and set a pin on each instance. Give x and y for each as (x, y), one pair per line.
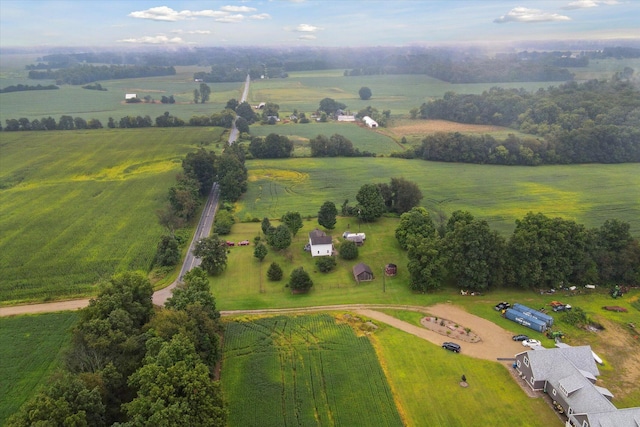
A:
(495, 342)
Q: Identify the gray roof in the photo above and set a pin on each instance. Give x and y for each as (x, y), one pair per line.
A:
(361, 268)
(629, 417)
(317, 237)
(562, 369)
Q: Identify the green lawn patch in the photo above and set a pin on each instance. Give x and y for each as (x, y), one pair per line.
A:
(425, 381)
(31, 350)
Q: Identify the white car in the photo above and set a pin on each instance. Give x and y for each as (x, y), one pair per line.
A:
(531, 343)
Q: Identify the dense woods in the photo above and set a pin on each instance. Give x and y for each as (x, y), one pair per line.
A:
(83, 74)
(595, 121)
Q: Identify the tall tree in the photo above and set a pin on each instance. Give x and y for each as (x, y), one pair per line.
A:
(300, 280)
(426, 265)
(281, 237)
(405, 195)
(327, 215)
(260, 251)
(205, 92)
(196, 96)
(475, 255)
(293, 220)
(175, 388)
(370, 203)
(213, 253)
(415, 224)
(201, 165)
(266, 224)
(365, 93)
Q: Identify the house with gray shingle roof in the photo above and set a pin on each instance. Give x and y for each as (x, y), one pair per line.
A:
(568, 375)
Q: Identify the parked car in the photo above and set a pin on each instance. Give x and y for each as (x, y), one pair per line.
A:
(519, 337)
(243, 243)
(451, 346)
(563, 307)
(230, 243)
(502, 306)
(531, 343)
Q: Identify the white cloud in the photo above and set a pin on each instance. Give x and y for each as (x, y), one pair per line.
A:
(585, 4)
(191, 32)
(231, 19)
(523, 14)
(307, 37)
(306, 28)
(153, 40)
(260, 16)
(238, 9)
(164, 13)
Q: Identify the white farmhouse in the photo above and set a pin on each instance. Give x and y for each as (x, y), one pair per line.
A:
(320, 243)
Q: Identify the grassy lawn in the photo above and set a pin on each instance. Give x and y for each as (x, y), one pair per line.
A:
(588, 194)
(78, 206)
(425, 381)
(31, 350)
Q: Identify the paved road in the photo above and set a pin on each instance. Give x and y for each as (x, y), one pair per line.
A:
(159, 297)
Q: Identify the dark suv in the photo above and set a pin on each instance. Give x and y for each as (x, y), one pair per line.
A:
(451, 346)
(519, 337)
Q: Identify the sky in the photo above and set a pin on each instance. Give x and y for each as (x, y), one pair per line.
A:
(83, 23)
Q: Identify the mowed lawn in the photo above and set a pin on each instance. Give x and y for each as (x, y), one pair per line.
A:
(304, 370)
(425, 380)
(78, 206)
(31, 349)
(588, 194)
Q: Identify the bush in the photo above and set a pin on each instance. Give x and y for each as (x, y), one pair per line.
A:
(223, 222)
(275, 272)
(300, 280)
(576, 317)
(325, 263)
(348, 250)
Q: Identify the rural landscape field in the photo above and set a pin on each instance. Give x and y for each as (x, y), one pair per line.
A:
(106, 168)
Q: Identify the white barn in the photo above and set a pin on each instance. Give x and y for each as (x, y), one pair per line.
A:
(128, 96)
(370, 122)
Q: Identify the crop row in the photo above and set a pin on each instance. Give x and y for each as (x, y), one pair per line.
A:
(304, 370)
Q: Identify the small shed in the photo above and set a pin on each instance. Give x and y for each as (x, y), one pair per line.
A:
(362, 273)
(128, 96)
(391, 269)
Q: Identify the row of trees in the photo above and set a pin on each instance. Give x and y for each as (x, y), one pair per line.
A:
(83, 74)
(595, 121)
(131, 365)
(541, 253)
(22, 88)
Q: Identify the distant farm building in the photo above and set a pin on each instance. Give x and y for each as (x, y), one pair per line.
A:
(320, 244)
(260, 106)
(362, 273)
(128, 96)
(345, 118)
(370, 122)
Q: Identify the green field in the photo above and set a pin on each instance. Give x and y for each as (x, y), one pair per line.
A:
(31, 350)
(306, 370)
(425, 380)
(78, 206)
(588, 194)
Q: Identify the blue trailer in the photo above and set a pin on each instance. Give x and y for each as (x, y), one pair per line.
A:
(525, 320)
(535, 313)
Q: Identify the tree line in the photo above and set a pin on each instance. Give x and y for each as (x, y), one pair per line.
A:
(83, 74)
(130, 364)
(23, 88)
(594, 121)
(541, 253)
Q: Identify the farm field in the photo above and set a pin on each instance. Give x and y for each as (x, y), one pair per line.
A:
(31, 350)
(588, 194)
(425, 380)
(78, 206)
(303, 370)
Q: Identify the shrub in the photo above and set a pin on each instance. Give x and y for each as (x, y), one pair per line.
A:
(348, 250)
(275, 272)
(325, 263)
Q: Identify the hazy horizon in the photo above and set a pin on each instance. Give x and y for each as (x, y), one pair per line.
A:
(107, 24)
